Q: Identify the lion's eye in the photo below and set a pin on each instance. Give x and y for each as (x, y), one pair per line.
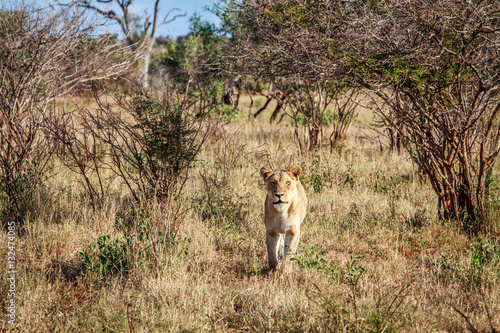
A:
(273, 183)
(287, 183)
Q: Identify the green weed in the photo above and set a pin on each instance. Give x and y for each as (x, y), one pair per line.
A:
(107, 257)
(320, 180)
(311, 259)
(480, 266)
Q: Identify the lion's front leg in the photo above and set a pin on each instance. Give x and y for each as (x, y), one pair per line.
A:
(292, 238)
(272, 240)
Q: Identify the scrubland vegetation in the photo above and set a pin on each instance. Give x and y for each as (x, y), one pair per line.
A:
(373, 254)
(138, 205)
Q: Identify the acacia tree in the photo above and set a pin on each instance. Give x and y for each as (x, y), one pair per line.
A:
(290, 43)
(307, 102)
(43, 54)
(435, 66)
(127, 21)
(432, 66)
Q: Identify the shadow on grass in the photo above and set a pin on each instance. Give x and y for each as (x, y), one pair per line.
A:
(64, 270)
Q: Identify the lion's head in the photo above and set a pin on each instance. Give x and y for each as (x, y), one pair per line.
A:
(281, 185)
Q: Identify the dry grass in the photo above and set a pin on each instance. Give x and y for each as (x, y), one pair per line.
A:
(373, 207)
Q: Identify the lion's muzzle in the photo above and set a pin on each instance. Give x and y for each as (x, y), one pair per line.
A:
(279, 201)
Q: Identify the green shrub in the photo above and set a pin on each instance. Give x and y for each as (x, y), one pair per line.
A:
(480, 266)
(311, 259)
(17, 193)
(320, 179)
(168, 147)
(107, 257)
(154, 143)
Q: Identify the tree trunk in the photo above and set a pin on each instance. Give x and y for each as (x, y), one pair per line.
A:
(279, 106)
(144, 72)
(460, 205)
(269, 99)
(336, 137)
(315, 134)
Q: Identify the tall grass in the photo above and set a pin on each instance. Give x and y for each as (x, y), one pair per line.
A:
(373, 256)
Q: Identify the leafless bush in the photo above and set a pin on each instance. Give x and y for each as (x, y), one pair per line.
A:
(147, 144)
(152, 150)
(218, 202)
(129, 27)
(80, 151)
(44, 53)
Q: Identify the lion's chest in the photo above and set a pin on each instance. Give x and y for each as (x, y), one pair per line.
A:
(282, 223)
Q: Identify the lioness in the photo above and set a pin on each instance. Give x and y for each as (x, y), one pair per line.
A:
(285, 209)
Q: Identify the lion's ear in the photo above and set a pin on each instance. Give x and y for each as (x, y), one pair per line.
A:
(295, 171)
(266, 172)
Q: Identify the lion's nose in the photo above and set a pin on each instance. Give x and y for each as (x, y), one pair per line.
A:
(279, 195)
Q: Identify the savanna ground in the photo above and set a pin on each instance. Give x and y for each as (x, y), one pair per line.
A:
(373, 255)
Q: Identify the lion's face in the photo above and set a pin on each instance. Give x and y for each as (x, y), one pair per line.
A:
(281, 185)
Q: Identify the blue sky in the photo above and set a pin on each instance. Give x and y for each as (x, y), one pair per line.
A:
(174, 29)
(181, 25)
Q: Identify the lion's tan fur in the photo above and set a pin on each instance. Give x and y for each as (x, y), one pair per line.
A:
(285, 209)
